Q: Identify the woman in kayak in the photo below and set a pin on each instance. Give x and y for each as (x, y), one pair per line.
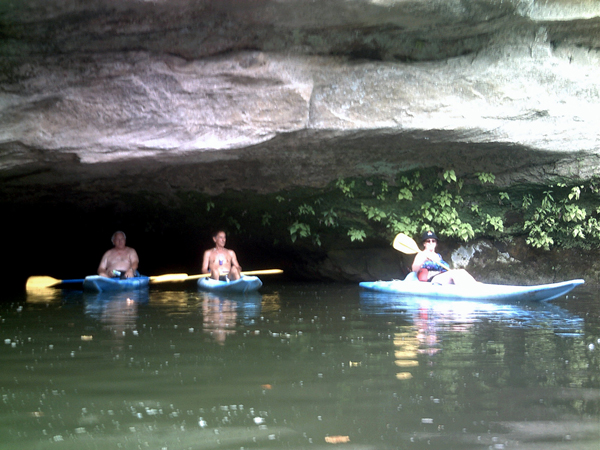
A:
(429, 265)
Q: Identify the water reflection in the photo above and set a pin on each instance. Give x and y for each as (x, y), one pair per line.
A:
(481, 356)
(116, 311)
(461, 314)
(220, 312)
(300, 366)
(50, 295)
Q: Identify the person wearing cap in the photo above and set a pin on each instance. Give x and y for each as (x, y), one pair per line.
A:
(430, 266)
(119, 262)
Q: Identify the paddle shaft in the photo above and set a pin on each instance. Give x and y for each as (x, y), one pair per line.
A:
(175, 277)
(252, 272)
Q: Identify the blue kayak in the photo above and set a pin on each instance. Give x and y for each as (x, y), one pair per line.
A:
(411, 286)
(244, 284)
(97, 283)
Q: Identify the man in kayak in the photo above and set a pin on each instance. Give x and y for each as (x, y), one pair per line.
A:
(430, 266)
(220, 262)
(119, 262)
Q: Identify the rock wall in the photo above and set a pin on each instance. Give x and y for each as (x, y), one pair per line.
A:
(101, 101)
(265, 95)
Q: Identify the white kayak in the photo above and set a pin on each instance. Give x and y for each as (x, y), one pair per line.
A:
(97, 283)
(244, 284)
(411, 286)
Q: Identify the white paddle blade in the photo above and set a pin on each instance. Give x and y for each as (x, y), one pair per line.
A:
(405, 244)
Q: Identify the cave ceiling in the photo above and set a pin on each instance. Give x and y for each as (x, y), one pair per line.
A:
(99, 97)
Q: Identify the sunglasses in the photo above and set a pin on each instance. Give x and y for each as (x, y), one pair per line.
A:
(427, 241)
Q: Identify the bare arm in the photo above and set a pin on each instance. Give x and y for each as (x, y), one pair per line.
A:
(134, 261)
(102, 268)
(420, 258)
(205, 261)
(234, 261)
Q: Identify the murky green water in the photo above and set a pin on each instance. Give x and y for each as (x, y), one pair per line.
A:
(298, 366)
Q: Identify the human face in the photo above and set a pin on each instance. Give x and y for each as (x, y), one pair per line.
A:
(220, 239)
(429, 244)
(119, 240)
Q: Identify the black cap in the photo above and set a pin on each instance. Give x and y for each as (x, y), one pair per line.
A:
(429, 235)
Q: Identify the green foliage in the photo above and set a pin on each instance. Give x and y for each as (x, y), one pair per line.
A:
(495, 222)
(330, 218)
(402, 224)
(562, 222)
(356, 235)
(345, 188)
(305, 209)
(486, 177)
(450, 176)
(233, 223)
(575, 192)
(298, 229)
(373, 213)
(384, 190)
(566, 215)
(405, 194)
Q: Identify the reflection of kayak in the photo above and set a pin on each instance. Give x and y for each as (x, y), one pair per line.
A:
(446, 312)
(244, 284)
(102, 284)
(479, 291)
(247, 306)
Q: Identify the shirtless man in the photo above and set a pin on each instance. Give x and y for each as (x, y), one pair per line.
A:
(221, 262)
(119, 262)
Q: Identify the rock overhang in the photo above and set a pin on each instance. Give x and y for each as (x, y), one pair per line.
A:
(102, 100)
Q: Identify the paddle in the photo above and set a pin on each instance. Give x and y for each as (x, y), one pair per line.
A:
(43, 281)
(183, 277)
(40, 282)
(405, 244)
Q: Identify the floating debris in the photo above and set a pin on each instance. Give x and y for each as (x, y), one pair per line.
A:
(337, 439)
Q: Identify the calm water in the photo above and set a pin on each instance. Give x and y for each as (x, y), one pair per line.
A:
(298, 366)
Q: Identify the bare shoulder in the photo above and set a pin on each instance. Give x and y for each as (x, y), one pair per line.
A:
(108, 253)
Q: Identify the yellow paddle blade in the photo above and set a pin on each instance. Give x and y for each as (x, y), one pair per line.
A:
(405, 244)
(169, 277)
(252, 272)
(40, 282)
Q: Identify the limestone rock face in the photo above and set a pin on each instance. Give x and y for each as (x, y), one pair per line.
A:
(170, 95)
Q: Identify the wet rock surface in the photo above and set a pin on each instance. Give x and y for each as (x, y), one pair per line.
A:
(208, 96)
